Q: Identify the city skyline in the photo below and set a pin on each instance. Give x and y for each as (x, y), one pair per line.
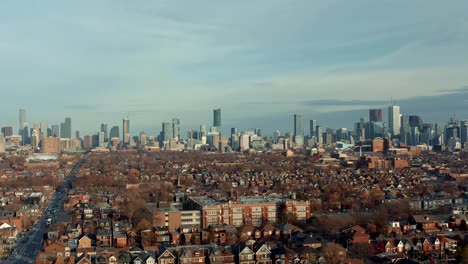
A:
(189, 56)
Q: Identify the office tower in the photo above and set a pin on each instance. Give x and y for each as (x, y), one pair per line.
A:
(55, 131)
(213, 139)
(202, 131)
(217, 119)
(2, 144)
(276, 136)
(319, 134)
(126, 131)
(114, 132)
(22, 120)
(43, 127)
(65, 128)
(342, 134)
(394, 120)
(452, 130)
(375, 115)
(7, 131)
(101, 139)
(166, 131)
(87, 142)
(77, 134)
(427, 134)
(233, 130)
(464, 131)
(35, 137)
(104, 129)
(313, 125)
(298, 130)
(68, 126)
(25, 135)
(143, 140)
(405, 130)
(176, 128)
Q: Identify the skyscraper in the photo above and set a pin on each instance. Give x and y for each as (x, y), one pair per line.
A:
(375, 115)
(104, 129)
(43, 129)
(166, 131)
(126, 131)
(298, 130)
(55, 131)
(7, 131)
(114, 132)
(464, 131)
(313, 125)
(22, 120)
(176, 128)
(394, 120)
(65, 128)
(217, 119)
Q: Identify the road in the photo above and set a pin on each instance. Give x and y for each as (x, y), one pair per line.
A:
(29, 246)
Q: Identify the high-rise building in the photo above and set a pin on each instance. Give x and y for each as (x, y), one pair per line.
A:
(375, 115)
(313, 125)
(2, 144)
(298, 129)
(66, 128)
(166, 132)
(143, 140)
(394, 120)
(87, 142)
(233, 130)
(176, 128)
(101, 139)
(22, 120)
(77, 134)
(55, 131)
(276, 136)
(217, 119)
(114, 132)
(464, 131)
(7, 131)
(452, 130)
(43, 129)
(126, 131)
(104, 129)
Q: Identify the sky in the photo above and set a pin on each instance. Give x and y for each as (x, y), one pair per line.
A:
(260, 61)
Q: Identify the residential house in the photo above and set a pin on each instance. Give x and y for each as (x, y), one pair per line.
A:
(166, 257)
(221, 256)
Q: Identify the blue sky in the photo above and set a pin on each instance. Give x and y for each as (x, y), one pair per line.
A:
(258, 60)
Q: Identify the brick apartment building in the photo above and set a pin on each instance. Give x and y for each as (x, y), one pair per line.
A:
(254, 211)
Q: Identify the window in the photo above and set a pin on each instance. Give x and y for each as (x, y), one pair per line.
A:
(256, 209)
(256, 215)
(237, 210)
(212, 212)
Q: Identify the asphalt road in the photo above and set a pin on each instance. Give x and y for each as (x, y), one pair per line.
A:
(32, 242)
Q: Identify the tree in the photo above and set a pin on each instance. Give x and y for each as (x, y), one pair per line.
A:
(211, 237)
(334, 253)
(463, 225)
(193, 239)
